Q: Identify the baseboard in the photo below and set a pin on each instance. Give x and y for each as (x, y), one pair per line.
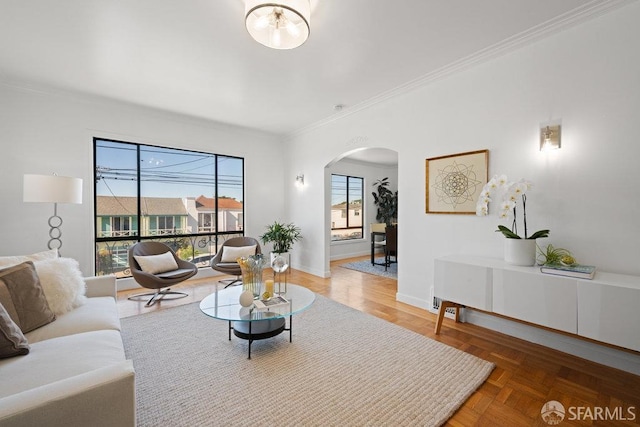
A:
(417, 302)
(355, 254)
(584, 349)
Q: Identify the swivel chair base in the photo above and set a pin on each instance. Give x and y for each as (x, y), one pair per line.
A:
(159, 295)
(231, 282)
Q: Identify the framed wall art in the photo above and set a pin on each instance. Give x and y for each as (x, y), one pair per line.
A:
(454, 182)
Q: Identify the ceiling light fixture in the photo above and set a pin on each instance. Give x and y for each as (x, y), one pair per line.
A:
(283, 24)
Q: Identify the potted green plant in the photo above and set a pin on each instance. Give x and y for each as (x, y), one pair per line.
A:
(283, 236)
(555, 256)
(386, 201)
(519, 250)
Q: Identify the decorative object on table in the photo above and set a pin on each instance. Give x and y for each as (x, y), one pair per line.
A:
(280, 265)
(553, 256)
(561, 262)
(518, 250)
(246, 298)
(386, 201)
(252, 268)
(283, 236)
(268, 289)
(53, 189)
(574, 270)
(266, 304)
(454, 182)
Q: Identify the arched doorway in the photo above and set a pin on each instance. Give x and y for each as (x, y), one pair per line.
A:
(342, 236)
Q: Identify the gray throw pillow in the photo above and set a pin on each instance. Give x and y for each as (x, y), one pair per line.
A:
(23, 298)
(12, 341)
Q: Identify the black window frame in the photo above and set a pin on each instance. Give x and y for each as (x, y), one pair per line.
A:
(346, 211)
(197, 239)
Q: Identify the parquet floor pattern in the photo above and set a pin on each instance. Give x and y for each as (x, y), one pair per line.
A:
(526, 375)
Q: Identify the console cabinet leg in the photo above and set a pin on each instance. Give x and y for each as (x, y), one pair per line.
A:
(443, 308)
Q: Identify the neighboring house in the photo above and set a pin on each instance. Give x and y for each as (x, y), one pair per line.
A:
(229, 214)
(116, 216)
(339, 215)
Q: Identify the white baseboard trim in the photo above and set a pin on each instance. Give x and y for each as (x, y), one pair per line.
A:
(417, 302)
(594, 352)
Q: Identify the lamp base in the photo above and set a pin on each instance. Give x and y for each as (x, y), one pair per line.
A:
(54, 231)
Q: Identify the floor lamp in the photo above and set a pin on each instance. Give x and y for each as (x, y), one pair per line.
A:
(53, 189)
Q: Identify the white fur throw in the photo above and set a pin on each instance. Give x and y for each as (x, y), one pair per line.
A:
(232, 253)
(62, 282)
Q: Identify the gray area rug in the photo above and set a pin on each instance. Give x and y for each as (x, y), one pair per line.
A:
(378, 270)
(343, 368)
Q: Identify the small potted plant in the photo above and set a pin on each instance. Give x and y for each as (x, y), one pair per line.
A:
(283, 236)
(519, 250)
(555, 256)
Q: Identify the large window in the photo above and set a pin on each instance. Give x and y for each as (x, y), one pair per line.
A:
(189, 200)
(347, 196)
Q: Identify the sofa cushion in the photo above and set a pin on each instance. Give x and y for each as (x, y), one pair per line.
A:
(22, 296)
(62, 282)
(232, 253)
(12, 341)
(153, 264)
(100, 313)
(7, 261)
(60, 358)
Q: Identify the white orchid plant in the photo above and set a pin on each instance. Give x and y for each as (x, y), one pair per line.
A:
(511, 192)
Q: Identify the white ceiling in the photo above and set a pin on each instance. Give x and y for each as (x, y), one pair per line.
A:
(195, 57)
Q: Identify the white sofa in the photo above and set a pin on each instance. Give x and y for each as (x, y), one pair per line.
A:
(76, 373)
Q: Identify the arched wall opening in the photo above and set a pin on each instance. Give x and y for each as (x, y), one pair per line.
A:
(371, 164)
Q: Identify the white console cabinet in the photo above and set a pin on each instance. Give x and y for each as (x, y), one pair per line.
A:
(605, 309)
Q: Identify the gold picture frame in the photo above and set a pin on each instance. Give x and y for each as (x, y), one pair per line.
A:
(454, 182)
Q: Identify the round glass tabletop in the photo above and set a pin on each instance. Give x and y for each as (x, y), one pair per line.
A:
(224, 304)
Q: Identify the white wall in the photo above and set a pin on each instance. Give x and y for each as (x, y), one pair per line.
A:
(43, 133)
(587, 193)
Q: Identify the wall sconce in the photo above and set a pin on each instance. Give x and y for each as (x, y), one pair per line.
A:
(53, 189)
(300, 180)
(550, 138)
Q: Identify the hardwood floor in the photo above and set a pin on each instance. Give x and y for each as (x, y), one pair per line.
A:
(526, 375)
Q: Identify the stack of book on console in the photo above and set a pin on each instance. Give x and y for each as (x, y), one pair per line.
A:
(575, 270)
(273, 302)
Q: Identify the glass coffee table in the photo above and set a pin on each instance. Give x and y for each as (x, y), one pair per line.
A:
(251, 324)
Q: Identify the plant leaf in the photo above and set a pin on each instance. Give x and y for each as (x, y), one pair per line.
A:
(539, 234)
(507, 233)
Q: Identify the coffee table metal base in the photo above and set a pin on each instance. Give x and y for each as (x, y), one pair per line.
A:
(259, 330)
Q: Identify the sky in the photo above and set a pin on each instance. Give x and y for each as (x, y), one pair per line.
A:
(164, 172)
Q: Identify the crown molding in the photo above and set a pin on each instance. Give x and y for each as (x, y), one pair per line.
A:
(586, 12)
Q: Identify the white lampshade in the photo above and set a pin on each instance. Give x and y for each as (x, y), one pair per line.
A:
(281, 24)
(52, 189)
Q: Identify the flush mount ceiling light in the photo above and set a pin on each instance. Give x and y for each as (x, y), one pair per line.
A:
(283, 24)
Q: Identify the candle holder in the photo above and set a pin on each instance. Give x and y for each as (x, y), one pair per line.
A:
(280, 265)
